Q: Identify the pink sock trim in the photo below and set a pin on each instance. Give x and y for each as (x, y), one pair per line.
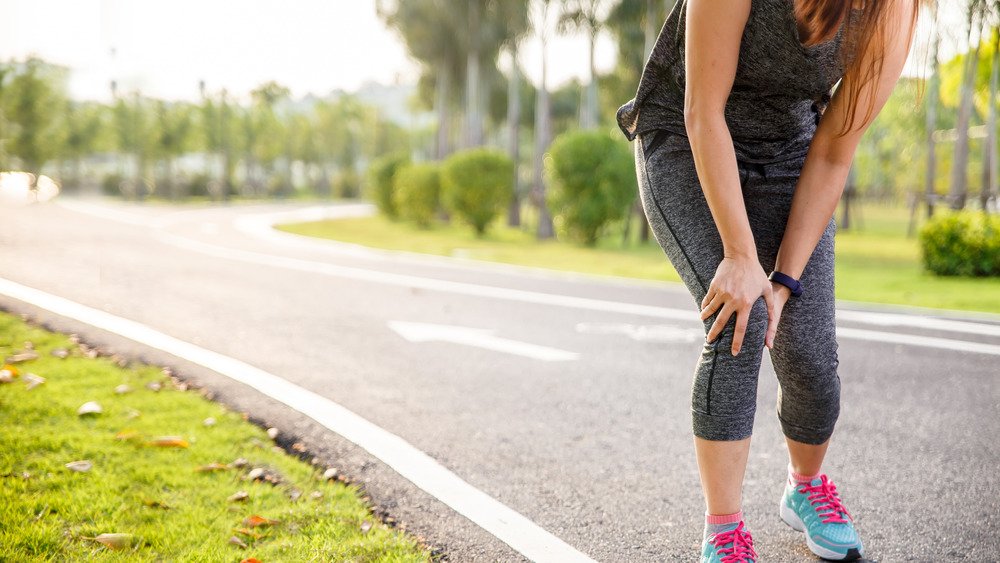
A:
(799, 477)
(733, 518)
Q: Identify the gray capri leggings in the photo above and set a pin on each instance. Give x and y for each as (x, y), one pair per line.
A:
(724, 393)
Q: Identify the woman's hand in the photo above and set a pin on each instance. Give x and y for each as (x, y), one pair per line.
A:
(737, 284)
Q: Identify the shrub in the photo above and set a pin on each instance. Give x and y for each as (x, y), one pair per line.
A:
(593, 182)
(380, 183)
(962, 243)
(417, 192)
(477, 185)
(348, 184)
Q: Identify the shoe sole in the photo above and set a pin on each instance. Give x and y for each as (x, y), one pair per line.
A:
(788, 516)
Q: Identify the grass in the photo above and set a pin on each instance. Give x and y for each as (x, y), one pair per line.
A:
(170, 509)
(876, 262)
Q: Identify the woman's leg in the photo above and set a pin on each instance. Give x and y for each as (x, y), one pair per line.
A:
(724, 390)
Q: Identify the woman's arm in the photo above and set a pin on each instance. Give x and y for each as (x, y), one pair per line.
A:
(714, 31)
(828, 162)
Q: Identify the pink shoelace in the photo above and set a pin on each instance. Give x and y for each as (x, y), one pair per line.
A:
(742, 548)
(826, 495)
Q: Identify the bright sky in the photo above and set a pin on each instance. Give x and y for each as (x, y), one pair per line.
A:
(165, 47)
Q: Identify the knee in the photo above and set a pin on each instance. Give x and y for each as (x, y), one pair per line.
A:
(753, 336)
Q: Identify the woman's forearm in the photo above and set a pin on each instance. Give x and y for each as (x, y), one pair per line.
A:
(821, 183)
(715, 161)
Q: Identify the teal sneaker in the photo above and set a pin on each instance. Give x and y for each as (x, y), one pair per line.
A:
(731, 546)
(815, 508)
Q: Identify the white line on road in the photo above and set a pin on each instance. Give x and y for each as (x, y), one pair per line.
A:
(425, 472)
(495, 292)
(480, 338)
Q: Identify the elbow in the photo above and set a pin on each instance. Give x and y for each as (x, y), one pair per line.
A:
(700, 118)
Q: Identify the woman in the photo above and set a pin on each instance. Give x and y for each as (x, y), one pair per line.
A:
(742, 156)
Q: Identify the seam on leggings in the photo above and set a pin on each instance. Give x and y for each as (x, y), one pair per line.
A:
(694, 271)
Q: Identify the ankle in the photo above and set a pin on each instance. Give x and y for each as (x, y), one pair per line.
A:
(797, 477)
(720, 519)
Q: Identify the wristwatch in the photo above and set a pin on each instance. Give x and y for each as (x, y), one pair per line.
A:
(787, 281)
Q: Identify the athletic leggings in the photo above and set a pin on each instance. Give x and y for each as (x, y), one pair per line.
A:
(724, 392)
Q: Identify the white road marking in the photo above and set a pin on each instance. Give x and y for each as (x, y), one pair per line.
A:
(425, 472)
(645, 333)
(480, 338)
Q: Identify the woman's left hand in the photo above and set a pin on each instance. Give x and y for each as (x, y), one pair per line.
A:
(781, 294)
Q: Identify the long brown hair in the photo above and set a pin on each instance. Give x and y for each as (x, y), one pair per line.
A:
(821, 20)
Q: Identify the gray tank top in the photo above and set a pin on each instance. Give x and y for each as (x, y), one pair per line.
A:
(779, 92)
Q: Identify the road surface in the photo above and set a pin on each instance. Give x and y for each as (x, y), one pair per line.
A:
(564, 398)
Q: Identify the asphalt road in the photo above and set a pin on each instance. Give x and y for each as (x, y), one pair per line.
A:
(573, 412)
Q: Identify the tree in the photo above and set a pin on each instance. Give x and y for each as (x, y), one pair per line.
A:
(586, 16)
(959, 171)
(35, 109)
(543, 13)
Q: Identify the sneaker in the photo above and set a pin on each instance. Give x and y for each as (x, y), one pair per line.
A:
(732, 546)
(815, 508)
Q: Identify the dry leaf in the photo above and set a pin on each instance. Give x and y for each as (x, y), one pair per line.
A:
(31, 381)
(114, 541)
(250, 560)
(237, 542)
(22, 357)
(248, 533)
(316, 495)
(214, 466)
(239, 496)
(365, 526)
(90, 407)
(81, 466)
(254, 520)
(294, 494)
(169, 442)
(6, 376)
(122, 389)
(60, 353)
(154, 386)
(209, 421)
(127, 434)
(240, 462)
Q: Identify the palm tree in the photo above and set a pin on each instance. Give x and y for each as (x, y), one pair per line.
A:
(585, 16)
(959, 173)
(543, 13)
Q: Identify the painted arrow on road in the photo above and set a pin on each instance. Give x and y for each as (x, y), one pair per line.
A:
(480, 338)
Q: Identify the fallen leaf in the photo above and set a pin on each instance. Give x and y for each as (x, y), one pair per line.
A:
(239, 496)
(81, 466)
(209, 421)
(237, 542)
(365, 526)
(250, 560)
(31, 381)
(254, 520)
(169, 442)
(294, 494)
(22, 357)
(60, 353)
(316, 495)
(90, 407)
(214, 466)
(240, 462)
(156, 504)
(154, 386)
(6, 376)
(248, 533)
(122, 389)
(127, 434)
(114, 541)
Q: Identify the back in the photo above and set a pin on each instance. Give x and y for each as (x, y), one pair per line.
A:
(779, 91)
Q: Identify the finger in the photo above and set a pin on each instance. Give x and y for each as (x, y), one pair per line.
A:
(720, 322)
(772, 317)
(741, 328)
(708, 296)
(713, 306)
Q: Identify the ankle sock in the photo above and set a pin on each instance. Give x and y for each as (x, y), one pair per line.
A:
(794, 477)
(715, 523)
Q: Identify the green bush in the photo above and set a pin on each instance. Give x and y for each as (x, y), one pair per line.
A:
(962, 243)
(380, 181)
(477, 185)
(593, 182)
(348, 184)
(417, 192)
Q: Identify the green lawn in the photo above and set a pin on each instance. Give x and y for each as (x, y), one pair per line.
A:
(876, 262)
(173, 501)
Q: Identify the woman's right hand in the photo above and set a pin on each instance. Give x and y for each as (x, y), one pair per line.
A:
(738, 283)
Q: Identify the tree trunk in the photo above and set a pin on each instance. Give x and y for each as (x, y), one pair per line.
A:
(441, 109)
(932, 104)
(990, 158)
(514, 130)
(473, 117)
(959, 173)
(542, 132)
(590, 117)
